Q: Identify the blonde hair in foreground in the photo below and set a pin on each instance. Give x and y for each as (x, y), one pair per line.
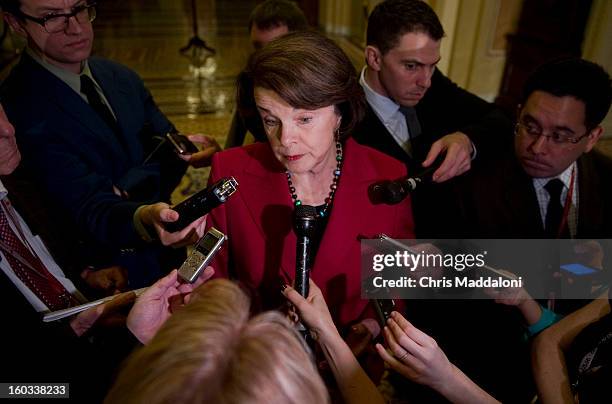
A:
(211, 352)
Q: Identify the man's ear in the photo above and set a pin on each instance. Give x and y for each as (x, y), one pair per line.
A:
(593, 137)
(15, 24)
(373, 57)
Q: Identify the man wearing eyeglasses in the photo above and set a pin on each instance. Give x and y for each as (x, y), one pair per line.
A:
(85, 127)
(552, 184)
(67, 51)
(547, 183)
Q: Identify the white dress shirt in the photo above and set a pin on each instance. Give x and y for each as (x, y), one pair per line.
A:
(40, 250)
(388, 111)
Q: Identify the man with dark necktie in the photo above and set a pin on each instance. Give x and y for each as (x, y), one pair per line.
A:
(551, 185)
(31, 283)
(415, 113)
(87, 128)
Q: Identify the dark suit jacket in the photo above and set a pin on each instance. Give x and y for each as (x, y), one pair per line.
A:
(34, 351)
(445, 108)
(37, 352)
(499, 200)
(74, 158)
(258, 221)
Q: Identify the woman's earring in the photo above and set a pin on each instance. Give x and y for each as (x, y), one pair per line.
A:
(337, 132)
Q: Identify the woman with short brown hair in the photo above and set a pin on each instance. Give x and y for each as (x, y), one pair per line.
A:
(306, 92)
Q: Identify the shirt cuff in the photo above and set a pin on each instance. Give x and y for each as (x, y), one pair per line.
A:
(141, 228)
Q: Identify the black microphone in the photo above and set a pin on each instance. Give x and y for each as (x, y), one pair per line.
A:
(304, 225)
(393, 192)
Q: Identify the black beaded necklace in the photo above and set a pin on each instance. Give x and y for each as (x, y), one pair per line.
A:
(332, 187)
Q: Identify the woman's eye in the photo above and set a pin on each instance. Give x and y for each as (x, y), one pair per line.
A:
(306, 119)
(270, 122)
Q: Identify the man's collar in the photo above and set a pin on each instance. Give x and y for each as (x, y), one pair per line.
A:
(385, 107)
(3, 191)
(565, 177)
(71, 79)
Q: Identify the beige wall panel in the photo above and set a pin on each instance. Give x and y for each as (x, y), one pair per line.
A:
(335, 16)
(448, 11)
(465, 33)
(488, 62)
(471, 54)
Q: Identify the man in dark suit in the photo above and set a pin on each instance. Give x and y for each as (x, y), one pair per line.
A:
(415, 113)
(31, 283)
(551, 184)
(558, 125)
(85, 126)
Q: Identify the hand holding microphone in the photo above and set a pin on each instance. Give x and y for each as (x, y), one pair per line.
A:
(304, 225)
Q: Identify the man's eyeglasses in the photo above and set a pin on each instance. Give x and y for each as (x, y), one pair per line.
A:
(58, 22)
(534, 132)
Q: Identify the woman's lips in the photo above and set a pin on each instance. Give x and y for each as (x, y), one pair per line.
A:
(294, 157)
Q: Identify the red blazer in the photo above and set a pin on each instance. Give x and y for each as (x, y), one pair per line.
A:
(257, 219)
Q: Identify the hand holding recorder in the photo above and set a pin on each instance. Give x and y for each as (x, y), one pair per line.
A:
(201, 203)
(168, 294)
(181, 143)
(202, 254)
(156, 303)
(184, 223)
(203, 157)
(158, 215)
(159, 301)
